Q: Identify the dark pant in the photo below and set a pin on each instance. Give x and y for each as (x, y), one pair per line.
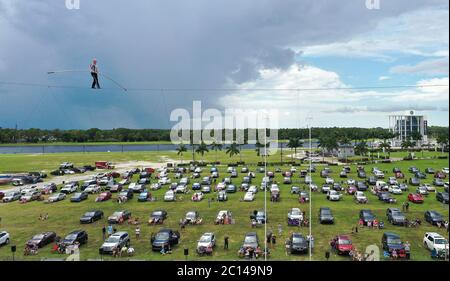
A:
(95, 81)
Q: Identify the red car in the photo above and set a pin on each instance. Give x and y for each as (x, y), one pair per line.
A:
(104, 196)
(104, 165)
(342, 244)
(415, 198)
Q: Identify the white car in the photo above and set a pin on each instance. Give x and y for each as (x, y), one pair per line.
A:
(169, 196)
(31, 196)
(208, 240)
(395, 189)
(223, 213)
(429, 187)
(351, 182)
(435, 241)
(181, 189)
(422, 190)
(56, 197)
(230, 169)
(293, 170)
(184, 181)
(308, 179)
(393, 181)
(445, 170)
(155, 186)
(249, 196)
(329, 180)
(446, 184)
(11, 196)
(274, 188)
(221, 186)
(105, 181)
(253, 189)
(93, 188)
(198, 170)
(333, 195)
(4, 238)
(164, 181)
(381, 185)
(30, 189)
(360, 196)
(295, 214)
(379, 174)
(69, 188)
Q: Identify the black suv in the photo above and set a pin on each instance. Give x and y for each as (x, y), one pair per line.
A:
(298, 243)
(325, 215)
(79, 236)
(366, 216)
(391, 241)
(165, 238)
(91, 216)
(395, 216)
(442, 197)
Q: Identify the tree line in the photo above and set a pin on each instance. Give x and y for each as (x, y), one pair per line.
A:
(325, 135)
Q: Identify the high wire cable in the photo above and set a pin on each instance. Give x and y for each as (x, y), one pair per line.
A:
(166, 90)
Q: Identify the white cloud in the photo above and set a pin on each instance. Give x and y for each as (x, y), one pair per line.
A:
(332, 107)
(428, 67)
(421, 32)
(383, 78)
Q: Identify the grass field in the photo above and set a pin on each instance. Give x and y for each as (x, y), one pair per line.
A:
(21, 220)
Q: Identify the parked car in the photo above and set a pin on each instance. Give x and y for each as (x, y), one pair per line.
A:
(93, 188)
(325, 215)
(71, 187)
(295, 214)
(395, 189)
(251, 240)
(119, 217)
(11, 196)
(144, 196)
(169, 196)
(415, 198)
(79, 196)
(158, 216)
(231, 188)
(361, 186)
(126, 193)
(386, 197)
(422, 190)
(249, 196)
(79, 236)
(222, 196)
(414, 181)
(391, 241)
(91, 216)
(165, 238)
(207, 240)
(342, 244)
(366, 216)
(30, 196)
(56, 197)
(333, 195)
(395, 216)
(433, 217)
(116, 187)
(116, 241)
(442, 197)
(438, 182)
(360, 197)
(298, 243)
(104, 196)
(434, 241)
(4, 238)
(196, 186)
(42, 239)
(260, 217)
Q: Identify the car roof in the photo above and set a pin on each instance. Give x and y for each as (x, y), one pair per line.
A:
(119, 233)
(391, 234)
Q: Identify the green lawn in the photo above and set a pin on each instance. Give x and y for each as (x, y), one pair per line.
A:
(21, 220)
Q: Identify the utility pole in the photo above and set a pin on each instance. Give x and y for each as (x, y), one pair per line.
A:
(308, 121)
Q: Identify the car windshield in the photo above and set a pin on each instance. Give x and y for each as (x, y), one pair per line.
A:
(71, 237)
(89, 214)
(298, 239)
(345, 242)
(326, 212)
(295, 212)
(113, 239)
(162, 236)
(205, 239)
(38, 237)
(250, 239)
(116, 214)
(190, 215)
(394, 240)
(260, 214)
(77, 195)
(440, 241)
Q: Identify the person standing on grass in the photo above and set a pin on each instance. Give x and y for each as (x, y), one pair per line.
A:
(138, 232)
(280, 229)
(104, 233)
(225, 243)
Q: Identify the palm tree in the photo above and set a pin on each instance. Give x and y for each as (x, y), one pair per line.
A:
(294, 143)
(417, 137)
(328, 143)
(233, 149)
(406, 144)
(361, 148)
(387, 147)
(180, 150)
(201, 149)
(442, 141)
(216, 147)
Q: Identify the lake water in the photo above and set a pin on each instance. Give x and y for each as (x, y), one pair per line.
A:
(101, 148)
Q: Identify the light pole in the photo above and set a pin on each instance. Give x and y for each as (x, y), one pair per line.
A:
(308, 121)
(265, 188)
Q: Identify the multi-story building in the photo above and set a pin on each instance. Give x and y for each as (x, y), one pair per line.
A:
(404, 126)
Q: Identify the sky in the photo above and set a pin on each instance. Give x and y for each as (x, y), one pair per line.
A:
(226, 54)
